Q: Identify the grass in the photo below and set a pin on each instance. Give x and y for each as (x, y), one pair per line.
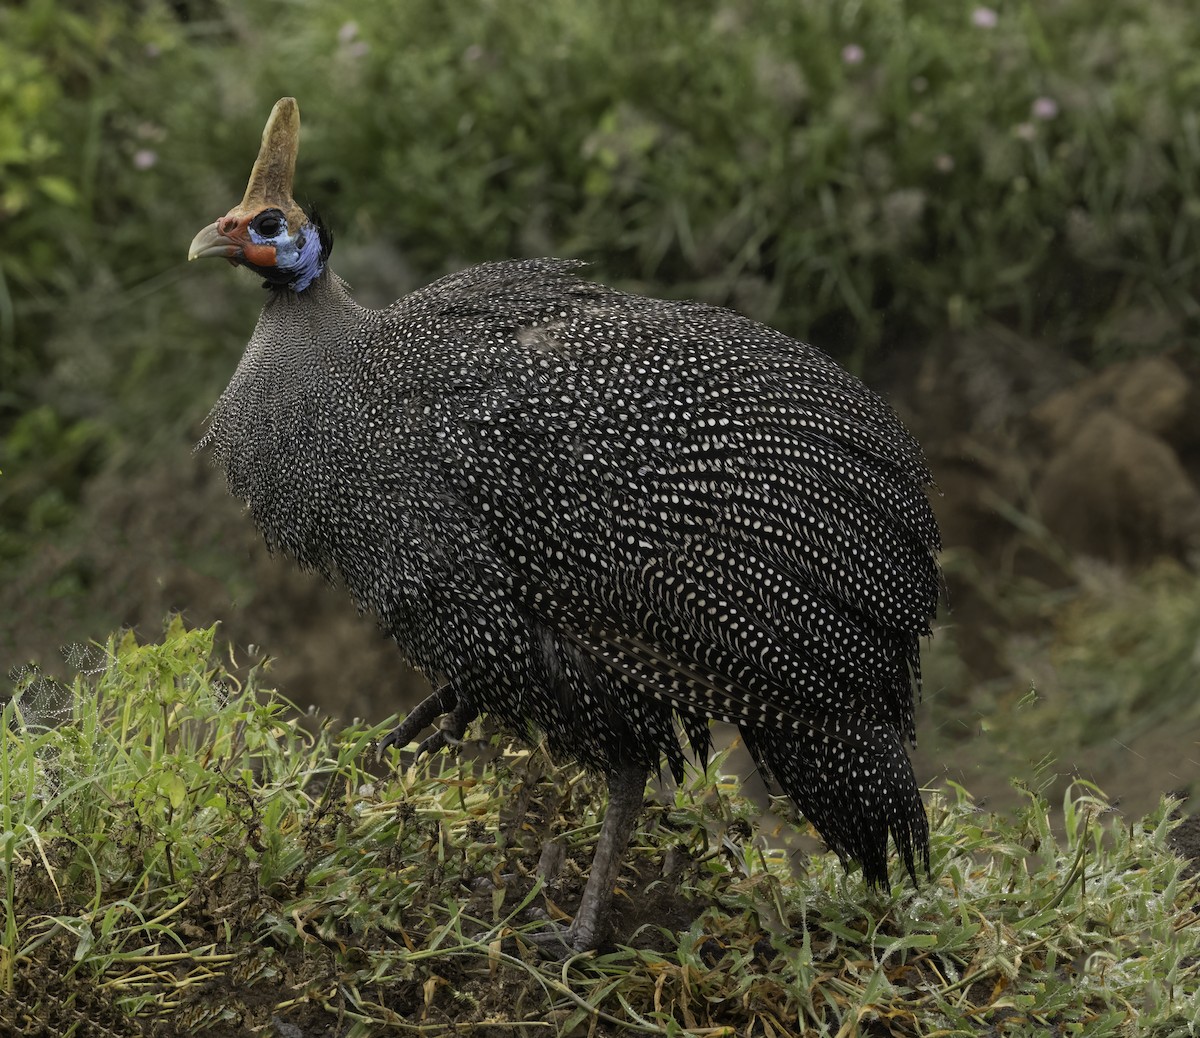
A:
(183, 853)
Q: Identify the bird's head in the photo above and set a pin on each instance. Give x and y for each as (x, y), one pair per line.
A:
(268, 232)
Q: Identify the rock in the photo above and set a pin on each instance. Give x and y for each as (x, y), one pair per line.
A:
(1151, 393)
(1113, 490)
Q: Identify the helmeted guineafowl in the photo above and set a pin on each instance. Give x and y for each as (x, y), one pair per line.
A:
(598, 516)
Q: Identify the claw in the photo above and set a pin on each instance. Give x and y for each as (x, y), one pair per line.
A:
(451, 729)
(434, 743)
(420, 717)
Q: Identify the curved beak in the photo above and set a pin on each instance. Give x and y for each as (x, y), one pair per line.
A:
(211, 242)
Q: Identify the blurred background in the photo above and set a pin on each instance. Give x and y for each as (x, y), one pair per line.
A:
(991, 213)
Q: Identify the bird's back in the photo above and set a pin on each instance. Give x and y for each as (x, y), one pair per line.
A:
(599, 438)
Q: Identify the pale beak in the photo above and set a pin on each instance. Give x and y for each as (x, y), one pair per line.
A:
(210, 242)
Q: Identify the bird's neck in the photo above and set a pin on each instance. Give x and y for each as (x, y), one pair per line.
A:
(324, 290)
(323, 314)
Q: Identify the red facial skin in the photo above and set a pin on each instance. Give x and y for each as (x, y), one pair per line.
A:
(236, 229)
(229, 238)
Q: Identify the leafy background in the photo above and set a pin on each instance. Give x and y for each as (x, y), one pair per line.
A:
(976, 208)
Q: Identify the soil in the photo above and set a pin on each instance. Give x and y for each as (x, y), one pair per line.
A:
(1186, 842)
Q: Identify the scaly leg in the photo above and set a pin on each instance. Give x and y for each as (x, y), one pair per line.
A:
(451, 728)
(626, 787)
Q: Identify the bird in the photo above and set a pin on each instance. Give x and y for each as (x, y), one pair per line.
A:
(602, 519)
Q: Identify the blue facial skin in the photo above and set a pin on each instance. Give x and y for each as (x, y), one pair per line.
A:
(298, 260)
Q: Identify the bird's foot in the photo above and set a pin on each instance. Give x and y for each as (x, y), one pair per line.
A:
(590, 925)
(399, 737)
(450, 731)
(560, 941)
(457, 713)
(419, 718)
(435, 743)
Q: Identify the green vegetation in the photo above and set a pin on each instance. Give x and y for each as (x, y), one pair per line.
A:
(1089, 671)
(1121, 655)
(864, 175)
(874, 177)
(181, 850)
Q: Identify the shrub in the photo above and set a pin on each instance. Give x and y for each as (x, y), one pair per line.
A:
(862, 175)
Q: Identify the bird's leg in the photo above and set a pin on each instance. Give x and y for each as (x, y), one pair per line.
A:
(420, 717)
(451, 728)
(626, 786)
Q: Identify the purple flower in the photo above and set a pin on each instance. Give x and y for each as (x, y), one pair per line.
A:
(144, 158)
(348, 32)
(984, 18)
(1044, 108)
(853, 54)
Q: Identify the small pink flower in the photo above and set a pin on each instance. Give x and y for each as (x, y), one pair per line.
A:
(1044, 108)
(145, 158)
(348, 32)
(853, 54)
(944, 163)
(984, 18)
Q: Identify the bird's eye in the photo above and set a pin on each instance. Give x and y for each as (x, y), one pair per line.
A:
(268, 224)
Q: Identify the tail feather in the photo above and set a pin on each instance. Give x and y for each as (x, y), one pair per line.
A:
(855, 790)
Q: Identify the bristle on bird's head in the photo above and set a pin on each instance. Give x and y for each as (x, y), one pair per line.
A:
(268, 231)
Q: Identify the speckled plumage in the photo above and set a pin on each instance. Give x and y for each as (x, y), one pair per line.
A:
(587, 512)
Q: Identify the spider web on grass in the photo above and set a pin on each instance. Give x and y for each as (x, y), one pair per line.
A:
(44, 701)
